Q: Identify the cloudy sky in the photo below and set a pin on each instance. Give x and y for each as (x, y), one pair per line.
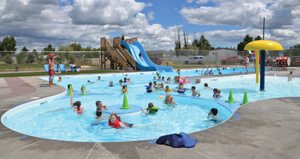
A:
(37, 23)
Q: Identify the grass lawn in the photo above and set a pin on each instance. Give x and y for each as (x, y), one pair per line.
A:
(63, 73)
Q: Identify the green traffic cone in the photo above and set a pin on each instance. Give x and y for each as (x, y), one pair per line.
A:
(83, 88)
(70, 90)
(245, 101)
(230, 100)
(125, 103)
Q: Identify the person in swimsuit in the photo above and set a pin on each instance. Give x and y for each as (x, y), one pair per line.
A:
(168, 89)
(206, 86)
(111, 84)
(246, 62)
(195, 93)
(161, 86)
(291, 76)
(154, 78)
(78, 109)
(213, 115)
(99, 78)
(51, 64)
(169, 80)
(123, 37)
(115, 122)
(217, 93)
(120, 81)
(99, 110)
(180, 89)
(198, 81)
(268, 61)
(124, 90)
(169, 100)
(283, 64)
(149, 109)
(72, 104)
(155, 86)
(149, 88)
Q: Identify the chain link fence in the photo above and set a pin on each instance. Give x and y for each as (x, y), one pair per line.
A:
(35, 61)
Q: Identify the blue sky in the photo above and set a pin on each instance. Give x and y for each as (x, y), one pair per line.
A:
(223, 22)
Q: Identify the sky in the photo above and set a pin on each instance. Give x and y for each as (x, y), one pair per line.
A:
(224, 23)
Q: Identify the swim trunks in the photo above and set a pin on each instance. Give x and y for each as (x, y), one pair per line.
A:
(98, 114)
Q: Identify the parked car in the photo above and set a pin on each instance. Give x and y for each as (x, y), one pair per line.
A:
(195, 59)
(232, 59)
(156, 60)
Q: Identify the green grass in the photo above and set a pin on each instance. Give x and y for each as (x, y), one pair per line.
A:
(63, 73)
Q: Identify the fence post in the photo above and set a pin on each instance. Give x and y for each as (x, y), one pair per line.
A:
(12, 62)
(226, 59)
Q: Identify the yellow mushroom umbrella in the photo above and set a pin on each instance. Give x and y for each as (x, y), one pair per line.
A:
(262, 45)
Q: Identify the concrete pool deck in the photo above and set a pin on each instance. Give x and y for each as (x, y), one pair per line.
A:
(262, 129)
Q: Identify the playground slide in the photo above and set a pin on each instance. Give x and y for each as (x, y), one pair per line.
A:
(140, 63)
(149, 62)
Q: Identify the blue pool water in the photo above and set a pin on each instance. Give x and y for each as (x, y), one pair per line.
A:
(188, 116)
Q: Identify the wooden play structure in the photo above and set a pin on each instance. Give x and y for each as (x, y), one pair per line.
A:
(118, 56)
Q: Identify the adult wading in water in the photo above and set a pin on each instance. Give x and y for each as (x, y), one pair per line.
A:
(51, 69)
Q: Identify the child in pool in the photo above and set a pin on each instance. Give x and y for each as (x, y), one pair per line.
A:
(59, 79)
(168, 79)
(162, 86)
(291, 76)
(125, 80)
(169, 100)
(157, 73)
(78, 109)
(120, 81)
(195, 93)
(159, 78)
(154, 78)
(168, 89)
(180, 89)
(149, 88)
(124, 90)
(99, 109)
(111, 84)
(155, 86)
(217, 93)
(197, 81)
(149, 109)
(163, 78)
(206, 86)
(213, 115)
(99, 78)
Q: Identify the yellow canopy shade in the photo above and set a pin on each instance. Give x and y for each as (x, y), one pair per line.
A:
(263, 45)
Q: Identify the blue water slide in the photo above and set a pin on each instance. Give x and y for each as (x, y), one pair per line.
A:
(149, 62)
(140, 63)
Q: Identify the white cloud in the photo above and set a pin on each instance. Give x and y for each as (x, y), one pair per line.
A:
(201, 1)
(112, 12)
(150, 15)
(189, 1)
(149, 4)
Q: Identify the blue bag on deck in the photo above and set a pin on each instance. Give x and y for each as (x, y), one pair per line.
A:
(177, 140)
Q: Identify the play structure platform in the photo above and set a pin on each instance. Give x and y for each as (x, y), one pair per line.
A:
(125, 54)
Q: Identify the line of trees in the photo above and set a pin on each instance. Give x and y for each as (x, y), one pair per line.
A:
(246, 40)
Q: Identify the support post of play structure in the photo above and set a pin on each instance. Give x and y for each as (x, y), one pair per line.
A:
(262, 70)
(257, 65)
(262, 45)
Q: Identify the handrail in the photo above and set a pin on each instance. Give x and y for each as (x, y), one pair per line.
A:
(203, 69)
(126, 54)
(116, 53)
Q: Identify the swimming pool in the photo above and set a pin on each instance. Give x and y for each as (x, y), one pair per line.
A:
(188, 116)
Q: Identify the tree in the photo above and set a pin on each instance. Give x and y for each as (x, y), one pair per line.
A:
(25, 49)
(30, 58)
(49, 48)
(21, 58)
(72, 58)
(204, 44)
(8, 59)
(76, 46)
(246, 40)
(185, 40)
(241, 46)
(8, 44)
(258, 38)
(297, 46)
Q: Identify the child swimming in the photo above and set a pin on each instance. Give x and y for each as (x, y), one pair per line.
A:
(155, 86)
(169, 100)
(99, 109)
(206, 86)
(150, 109)
(213, 115)
(111, 84)
(59, 79)
(121, 84)
(124, 90)
(161, 86)
(198, 81)
(180, 89)
(195, 93)
(291, 76)
(168, 89)
(149, 88)
(217, 93)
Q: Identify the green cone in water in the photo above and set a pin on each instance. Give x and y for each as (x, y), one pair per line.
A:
(245, 101)
(70, 90)
(125, 103)
(83, 88)
(230, 100)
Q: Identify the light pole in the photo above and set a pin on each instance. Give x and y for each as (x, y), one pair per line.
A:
(264, 28)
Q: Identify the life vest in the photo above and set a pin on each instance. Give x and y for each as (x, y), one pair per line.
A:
(148, 88)
(116, 124)
(168, 90)
(181, 90)
(153, 110)
(124, 91)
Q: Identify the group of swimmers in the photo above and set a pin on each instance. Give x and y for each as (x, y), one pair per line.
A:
(115, 121)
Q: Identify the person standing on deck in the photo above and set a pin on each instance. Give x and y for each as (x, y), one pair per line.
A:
(51, 69)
